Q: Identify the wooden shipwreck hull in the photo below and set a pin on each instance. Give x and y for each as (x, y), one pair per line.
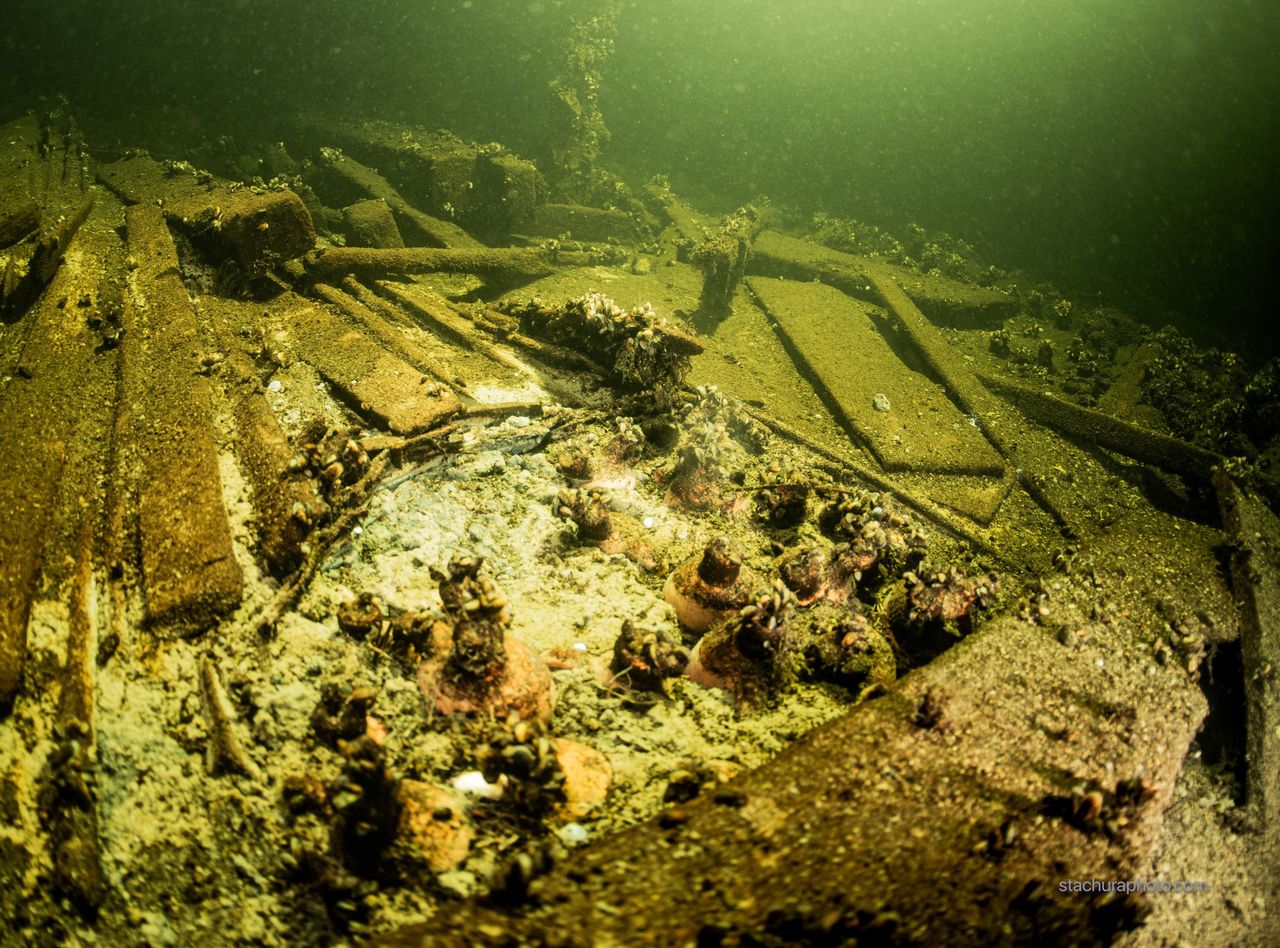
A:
(158, 487)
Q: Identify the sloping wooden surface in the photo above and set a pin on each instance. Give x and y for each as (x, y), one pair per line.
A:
(830, 842)
(834, 339)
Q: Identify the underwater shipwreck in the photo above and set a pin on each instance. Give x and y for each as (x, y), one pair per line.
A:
(408, 543)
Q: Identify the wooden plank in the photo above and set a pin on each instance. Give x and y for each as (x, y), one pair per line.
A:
(370, 379)
(583, 223)
(745, 359)
(942, 299)
(1255, 574)
(21, 167)
(52, 433)
(1107, 431)
(906, 420)
(1124, 398)
(34, 425)
(69, 797)
(437, 232)
(502, 265)
(488, 191)
(891, 828)
(190, 575)
(776, 254)
(254, 228)
(366, 308)
(997, 423)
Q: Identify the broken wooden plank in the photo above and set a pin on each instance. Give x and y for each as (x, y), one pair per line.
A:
(256, 228)
(19, 218)
(370, 379)
(33, 428)
(367, 308)
(223, 753)
(722, 257)
(53, 416)
(890, 825)
(69, 798)
(434, 313)
(977, 497)
(842, 467)
(24, 279)
(746, 360)
(190, 574)
(285, 500)
(483, 188)
(1254, 533)
(21, 165)
(1106, 431)
(690, 225)
(73, 560)
(437, 232)
(370, 223)
(1124, 397)
(775, 254)
(965, 388)
(942, 299)
(906, 421)
(141, 179)
(503, 265)
(580, 222)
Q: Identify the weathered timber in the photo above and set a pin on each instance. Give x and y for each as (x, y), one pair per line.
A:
(435, 231)
(964, 386)
(23, 281)
(371, 224)
(21, 162)
(722, 257)
(745, 359)
(18, 219)
(1124, 398)
(842, 467)
(190, 575)
(373, 381)
(776, 254)
(286, 503)
(434, 313)
(691, 226)
(1254, 532)
(501, 265)
(40, 411)
(69, 798)
(351, 507)
(255, 229)
(224, 753)
(890, 826)
(1107, 431)
(483, 188)
(140, 179)
(942, 299)
(583, 223)
(905, 419)
(67, 166)
(26, 495)
(391, 313)
(366, 308)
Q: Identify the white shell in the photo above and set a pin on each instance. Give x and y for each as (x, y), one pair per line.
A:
(473, 784)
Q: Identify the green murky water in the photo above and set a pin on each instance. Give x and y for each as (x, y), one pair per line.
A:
(1116, 148)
